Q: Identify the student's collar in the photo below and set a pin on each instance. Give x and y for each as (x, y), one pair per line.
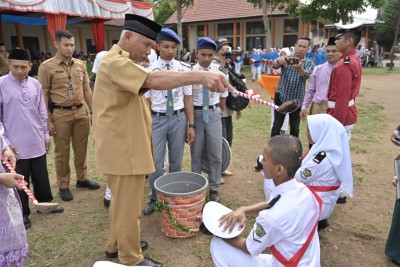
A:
(164, 62)
(284, 187)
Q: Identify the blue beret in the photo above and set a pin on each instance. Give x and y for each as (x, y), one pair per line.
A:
(206, 43)
(168, 35)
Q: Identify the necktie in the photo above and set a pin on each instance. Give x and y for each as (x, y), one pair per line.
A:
(170, 101)
(206, 103)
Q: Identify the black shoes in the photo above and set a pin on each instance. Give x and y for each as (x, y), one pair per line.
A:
(149, 262)
(27, 222)
(87, 184)
(143, 244)
(65, 194)
(214, 196)
(323, 224)
(149, 209)
(341, 200)
(107, 203)
(59, 209)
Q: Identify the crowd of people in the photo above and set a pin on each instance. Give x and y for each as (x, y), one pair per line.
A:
(170, 103)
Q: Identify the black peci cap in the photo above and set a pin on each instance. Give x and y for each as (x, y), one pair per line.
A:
(19, 54)
(142, 25)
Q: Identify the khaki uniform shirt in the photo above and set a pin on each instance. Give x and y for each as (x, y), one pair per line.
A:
(121, 117)
(55, 75)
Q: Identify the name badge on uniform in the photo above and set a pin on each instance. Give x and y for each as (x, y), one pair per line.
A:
(176, 95)
(70, 88)
(70, 93)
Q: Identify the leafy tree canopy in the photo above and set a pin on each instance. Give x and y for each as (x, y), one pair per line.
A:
(334, 10)
(385, 32)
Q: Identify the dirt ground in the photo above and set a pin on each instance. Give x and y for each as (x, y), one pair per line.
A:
(358, 230)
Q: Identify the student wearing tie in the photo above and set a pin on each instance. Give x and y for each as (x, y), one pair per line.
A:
(168, 108)
(208, 107)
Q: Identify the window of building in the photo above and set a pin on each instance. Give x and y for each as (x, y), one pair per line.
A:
(254, 27)
(200, 30)
(225, 29)
(291, 26)
(254, 42)
(90, 46)
(289, 40)
(30, 43)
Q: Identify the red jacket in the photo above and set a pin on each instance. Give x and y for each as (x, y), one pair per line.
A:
(344, 86)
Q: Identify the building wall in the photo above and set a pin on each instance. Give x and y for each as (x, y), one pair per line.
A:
(279, 36)
(81, 33)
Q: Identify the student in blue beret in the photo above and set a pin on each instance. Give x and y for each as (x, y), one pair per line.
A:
(208, 107)
(169, 109)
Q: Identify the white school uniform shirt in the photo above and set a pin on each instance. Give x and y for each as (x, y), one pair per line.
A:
(197, 91)
(312, 173)
(287, 225)
(159, 97)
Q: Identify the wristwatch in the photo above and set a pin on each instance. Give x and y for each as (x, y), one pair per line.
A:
(192, 125)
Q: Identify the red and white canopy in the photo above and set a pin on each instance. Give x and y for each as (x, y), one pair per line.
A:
(101, 9)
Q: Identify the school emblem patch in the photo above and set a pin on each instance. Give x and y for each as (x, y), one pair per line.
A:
(260, 232)
(306, 173)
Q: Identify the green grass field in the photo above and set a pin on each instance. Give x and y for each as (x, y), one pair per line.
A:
(78, 236)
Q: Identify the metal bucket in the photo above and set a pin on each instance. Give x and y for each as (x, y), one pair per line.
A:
(182, 195)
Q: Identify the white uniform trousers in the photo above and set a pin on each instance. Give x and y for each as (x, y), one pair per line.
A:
(224, 255)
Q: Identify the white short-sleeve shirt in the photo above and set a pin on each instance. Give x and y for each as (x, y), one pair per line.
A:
(197, 91)
(159, 97)
(287, 225)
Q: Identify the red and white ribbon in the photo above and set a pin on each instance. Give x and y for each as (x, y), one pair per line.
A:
(22, 182)
(255, 98)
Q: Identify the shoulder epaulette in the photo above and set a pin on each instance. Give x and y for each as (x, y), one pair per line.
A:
(346, 60)
(225, 71)
(187, 65)
(319, 157)
(272, 202)
(48, 60)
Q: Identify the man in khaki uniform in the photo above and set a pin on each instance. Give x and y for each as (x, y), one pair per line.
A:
(65, 87)
(122, 129)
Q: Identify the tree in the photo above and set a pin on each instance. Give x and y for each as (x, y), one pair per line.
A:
(387, 33)
(266, 5)
(335, 10)
(163, 9)
(181, 4)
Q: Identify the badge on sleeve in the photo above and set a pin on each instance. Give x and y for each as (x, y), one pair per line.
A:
(305, 174)
(319, 157)
(260, 232)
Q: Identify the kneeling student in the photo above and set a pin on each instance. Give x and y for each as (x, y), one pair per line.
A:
(287, 224)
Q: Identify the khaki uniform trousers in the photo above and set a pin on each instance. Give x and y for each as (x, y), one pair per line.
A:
(125, 212)
(70, 124)
(317, 108)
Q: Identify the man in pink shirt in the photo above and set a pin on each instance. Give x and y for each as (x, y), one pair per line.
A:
(24, 116)
(317, 91)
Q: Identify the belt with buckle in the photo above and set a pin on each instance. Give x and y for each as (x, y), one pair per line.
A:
(67, 107)
(165, 114)
(210, 107)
